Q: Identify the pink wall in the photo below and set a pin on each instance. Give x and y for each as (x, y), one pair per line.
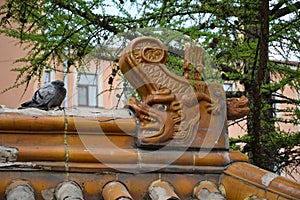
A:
(109, 98)
(9, 52)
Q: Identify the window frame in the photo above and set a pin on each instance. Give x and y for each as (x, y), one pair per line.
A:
(47, 74)
(86, 86)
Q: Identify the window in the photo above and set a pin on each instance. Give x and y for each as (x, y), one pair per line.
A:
(277, 106)
(87, 90)
(47, 77)
(228, 87)
(298, 94)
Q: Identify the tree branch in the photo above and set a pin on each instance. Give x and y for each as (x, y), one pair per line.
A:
(102, 21)
(284, 11)
(276, 8)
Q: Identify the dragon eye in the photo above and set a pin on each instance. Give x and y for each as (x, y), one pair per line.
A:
(162, 108)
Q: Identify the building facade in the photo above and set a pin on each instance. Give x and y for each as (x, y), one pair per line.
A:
(85, 88)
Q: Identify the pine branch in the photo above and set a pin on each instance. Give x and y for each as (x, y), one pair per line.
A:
(285, 11)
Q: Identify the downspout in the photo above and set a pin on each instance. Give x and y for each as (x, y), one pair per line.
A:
(66, 80)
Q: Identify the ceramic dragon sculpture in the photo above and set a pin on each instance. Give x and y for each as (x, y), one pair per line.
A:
(173, 109)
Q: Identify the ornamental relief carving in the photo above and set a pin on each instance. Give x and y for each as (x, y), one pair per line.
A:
(173, 108)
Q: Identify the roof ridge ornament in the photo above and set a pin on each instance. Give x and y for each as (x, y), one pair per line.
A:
(175, 110)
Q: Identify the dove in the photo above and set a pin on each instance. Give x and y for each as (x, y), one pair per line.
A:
(48, 96)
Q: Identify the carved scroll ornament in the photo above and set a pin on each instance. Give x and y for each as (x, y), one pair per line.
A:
(172, 106)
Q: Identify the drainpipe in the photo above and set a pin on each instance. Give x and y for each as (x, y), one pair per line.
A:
(66, 80)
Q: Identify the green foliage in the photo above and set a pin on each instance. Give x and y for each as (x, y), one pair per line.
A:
(176, 63)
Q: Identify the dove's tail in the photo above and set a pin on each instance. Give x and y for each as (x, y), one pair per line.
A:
(27, 104)
(33, 104)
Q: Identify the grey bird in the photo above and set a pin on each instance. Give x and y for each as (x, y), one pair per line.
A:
(47, 97)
